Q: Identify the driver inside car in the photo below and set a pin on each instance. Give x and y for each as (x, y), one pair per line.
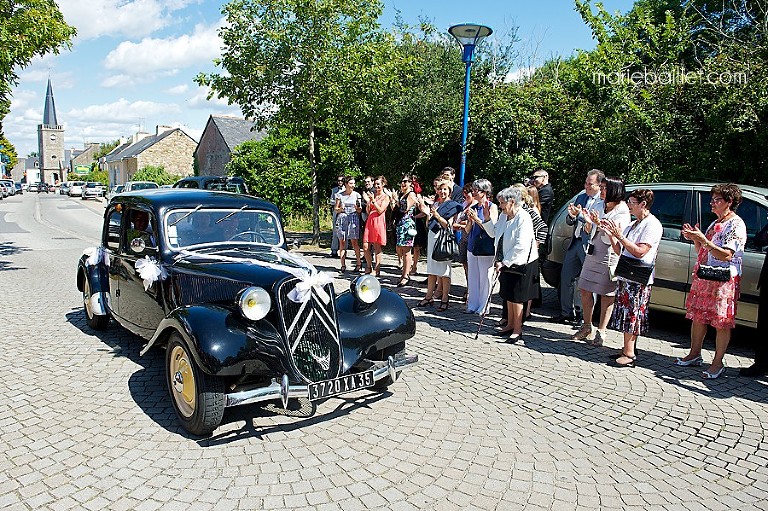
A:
(140, 228)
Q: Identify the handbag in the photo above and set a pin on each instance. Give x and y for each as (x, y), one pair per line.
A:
(517, 269)
(633, 269)
(484, 244)
(445, 248)
(717, 273)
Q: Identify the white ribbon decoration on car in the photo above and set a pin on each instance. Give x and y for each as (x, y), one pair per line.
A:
(96, 255)
(309, 277)
(150, 271)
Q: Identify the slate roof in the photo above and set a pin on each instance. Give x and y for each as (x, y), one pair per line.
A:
(235, 130)
(129, 150)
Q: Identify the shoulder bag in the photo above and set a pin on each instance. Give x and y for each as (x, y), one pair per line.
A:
(716, 273)
(517, 269)
(483, 244)
(634, 270)
(445, 248)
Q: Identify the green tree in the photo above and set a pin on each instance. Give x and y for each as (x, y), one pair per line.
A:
(156, 174)
(28, 29)
(104, 149)
(8, 153)
(312, 66)
(275, 168)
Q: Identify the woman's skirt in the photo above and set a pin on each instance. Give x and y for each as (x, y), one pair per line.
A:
(630, 310)
(347, 226)
(439, 268)
(519, 288)
(712, 302)
(595, 276)
(405, 231)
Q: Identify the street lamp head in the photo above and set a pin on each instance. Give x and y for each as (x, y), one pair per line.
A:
(469, 35)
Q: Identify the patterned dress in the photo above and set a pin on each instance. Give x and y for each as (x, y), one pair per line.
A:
(405, 231)
(713, 302)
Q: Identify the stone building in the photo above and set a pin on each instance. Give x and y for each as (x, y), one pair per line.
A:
(170, 148)
(221, 135)
(83, 158)
(50, 143)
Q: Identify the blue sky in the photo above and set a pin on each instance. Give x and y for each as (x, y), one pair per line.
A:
(133, 62)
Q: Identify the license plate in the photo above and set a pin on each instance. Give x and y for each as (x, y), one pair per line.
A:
(341, 385)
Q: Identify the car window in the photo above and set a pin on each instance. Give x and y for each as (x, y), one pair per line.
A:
(141, 225)
(669, 207)
(187, 184)
(113, 230)
(187, 227)
(143, 186)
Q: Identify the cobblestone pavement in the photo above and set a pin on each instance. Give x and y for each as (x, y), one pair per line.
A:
(545, 424)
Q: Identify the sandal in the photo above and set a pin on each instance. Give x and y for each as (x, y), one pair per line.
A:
(631, 362)
(585, 332)
(403, 282)
(424, 302)
(443, 307)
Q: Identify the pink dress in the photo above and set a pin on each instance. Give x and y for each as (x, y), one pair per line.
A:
(713, 302)
(376, 224)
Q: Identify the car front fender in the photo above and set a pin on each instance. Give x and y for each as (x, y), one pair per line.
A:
(98, 280)
(223, 343)
(379, 328)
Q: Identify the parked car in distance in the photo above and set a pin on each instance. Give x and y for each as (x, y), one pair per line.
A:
(19, 188)
(132, 186)
(675, 204)
(3, 191)
(64, 188)
(92, 190)
(206, 275)
(45, 188)
(76, 188)
(114, 191)
(222, 183)
(32, 187)
(9, 185)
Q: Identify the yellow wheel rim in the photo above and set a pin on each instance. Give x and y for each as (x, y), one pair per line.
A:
(182, 381)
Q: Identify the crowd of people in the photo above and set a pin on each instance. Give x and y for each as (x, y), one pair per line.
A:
(611, 254)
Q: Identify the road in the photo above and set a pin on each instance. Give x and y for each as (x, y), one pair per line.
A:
(86, 422)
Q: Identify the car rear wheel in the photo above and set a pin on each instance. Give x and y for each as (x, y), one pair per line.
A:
(95, 321)
(198, 398)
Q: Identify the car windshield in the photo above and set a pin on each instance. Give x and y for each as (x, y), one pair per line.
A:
(192, 227)
(143, 186)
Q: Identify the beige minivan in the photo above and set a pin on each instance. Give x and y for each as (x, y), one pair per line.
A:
(675, 204)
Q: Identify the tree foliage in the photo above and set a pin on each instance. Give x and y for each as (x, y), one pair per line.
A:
(28, 29)
(156, 174)
(310, 66)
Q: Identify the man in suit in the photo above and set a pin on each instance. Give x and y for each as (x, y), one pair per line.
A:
(540, 179)
(449, 174)
(760, 367)
(574, 256)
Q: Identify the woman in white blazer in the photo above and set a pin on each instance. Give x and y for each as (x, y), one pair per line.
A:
(516, 258)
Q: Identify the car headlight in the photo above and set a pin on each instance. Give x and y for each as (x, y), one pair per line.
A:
(366, 288)
(254, 303)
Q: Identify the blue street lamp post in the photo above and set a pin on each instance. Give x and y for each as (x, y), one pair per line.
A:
(469, 36)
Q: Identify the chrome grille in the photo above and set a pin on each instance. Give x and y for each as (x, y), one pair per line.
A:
(312, 333)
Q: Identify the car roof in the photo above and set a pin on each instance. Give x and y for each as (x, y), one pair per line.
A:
(161, 199)
(699, 185)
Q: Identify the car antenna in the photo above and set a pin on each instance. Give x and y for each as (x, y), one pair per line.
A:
(185, 216)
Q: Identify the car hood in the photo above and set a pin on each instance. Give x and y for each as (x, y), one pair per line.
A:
(257, 265)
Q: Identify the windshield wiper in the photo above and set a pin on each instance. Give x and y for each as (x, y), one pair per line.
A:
(229, 215)
(185, 216)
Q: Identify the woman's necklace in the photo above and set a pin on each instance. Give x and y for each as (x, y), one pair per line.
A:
(725, 217)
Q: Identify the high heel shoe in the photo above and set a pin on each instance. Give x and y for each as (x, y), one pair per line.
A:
(631, 363)
(585, 332)
(713, 376)
(403, 282)
(695, 361)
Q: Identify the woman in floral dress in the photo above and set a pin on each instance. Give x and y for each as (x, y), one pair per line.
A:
(405, 231)
(713, 302)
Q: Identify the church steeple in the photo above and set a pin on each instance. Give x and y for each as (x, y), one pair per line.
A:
(49, 113)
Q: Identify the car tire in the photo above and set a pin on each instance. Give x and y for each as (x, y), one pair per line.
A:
(197, 397)
(95, 321)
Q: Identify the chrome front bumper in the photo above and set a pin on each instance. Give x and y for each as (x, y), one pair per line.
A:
(284, 391)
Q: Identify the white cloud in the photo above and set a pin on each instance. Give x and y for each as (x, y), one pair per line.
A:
(122, 111)
(150, 56)
(179, 89)
(199, 100)
(128, 18)
(519, 74)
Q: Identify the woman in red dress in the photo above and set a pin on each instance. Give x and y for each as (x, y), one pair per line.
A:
(376, 226)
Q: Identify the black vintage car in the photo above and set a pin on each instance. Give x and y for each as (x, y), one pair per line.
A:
(206, 275)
